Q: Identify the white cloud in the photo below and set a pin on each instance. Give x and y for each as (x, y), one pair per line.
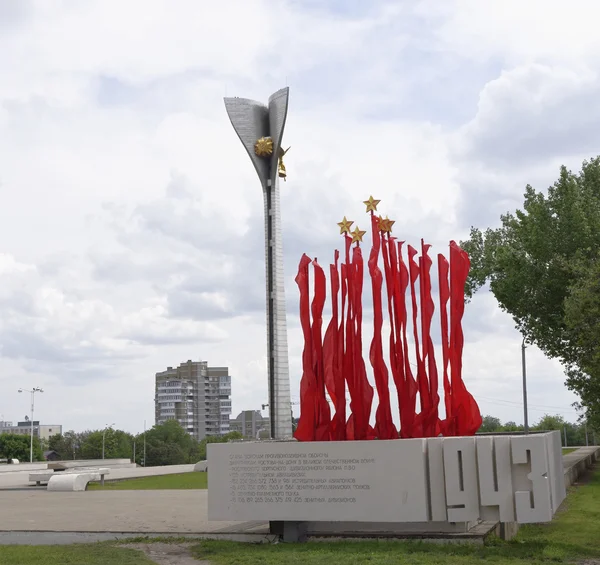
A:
(518, 32)
(132, 226)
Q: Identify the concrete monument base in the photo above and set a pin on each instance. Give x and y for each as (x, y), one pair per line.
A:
(419, 485)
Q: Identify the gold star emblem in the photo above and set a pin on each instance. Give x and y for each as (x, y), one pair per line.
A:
(371, 204)
(385, 225)
(345, 225)
(264, 147)
(357, 235)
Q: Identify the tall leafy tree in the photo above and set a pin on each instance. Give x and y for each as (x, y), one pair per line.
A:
(490, 424)
(543, 266)
(167, 444)
(215, 439)
(13, 446)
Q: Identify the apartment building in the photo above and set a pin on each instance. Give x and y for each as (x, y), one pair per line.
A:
(197, 396)
(43, 431)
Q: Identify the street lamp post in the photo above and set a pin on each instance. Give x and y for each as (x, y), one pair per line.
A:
(32, 392)
(104, 436)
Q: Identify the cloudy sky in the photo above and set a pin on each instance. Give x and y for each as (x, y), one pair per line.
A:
(131, 234)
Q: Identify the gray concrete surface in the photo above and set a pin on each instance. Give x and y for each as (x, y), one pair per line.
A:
(580, 452)
(577, 462)
(23, 467)
(156, 511)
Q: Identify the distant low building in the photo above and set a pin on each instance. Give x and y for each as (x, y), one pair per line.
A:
(41, 431)
(251, 424)
(51, 456)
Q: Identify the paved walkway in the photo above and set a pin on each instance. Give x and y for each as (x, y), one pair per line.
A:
(580, 452)
(156, 511)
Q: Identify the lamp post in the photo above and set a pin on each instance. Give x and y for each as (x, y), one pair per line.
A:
(104, 436)
(524, 368)
(32, 392)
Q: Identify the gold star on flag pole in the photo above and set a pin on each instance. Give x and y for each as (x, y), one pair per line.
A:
(345, 225)
(385, 225)
(371, 204)
(357, 235)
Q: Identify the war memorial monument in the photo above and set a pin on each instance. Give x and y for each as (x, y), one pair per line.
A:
(348, 468)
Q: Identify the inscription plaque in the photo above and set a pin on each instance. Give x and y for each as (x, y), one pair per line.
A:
(363, 481)
(458, 479)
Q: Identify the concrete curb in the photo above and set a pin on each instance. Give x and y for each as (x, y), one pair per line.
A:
(68, 538)
(587, 457)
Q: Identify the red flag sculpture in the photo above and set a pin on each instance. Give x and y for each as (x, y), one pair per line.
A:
(384, 425)
(443, 270)
(332, 363)
(431, 426)
(316, 426)
(334, 376)
(467, 418)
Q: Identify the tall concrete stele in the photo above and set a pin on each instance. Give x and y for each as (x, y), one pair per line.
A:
(260, 129)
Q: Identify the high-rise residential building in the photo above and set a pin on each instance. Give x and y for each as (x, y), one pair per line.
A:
(251, 424)
(197, 396)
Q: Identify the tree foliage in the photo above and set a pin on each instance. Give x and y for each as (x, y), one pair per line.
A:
(490, 424)
(166, 444)
(543, 267)
(575, 433)
(216, 439)
(15, 446)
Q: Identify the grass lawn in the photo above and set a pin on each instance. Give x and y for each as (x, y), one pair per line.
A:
(574, 536)
(98, 554)
(177, 481)
(566, 450)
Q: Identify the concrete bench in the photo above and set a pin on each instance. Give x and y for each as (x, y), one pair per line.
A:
(40, 477)
(94, 470)
(201, 466)
(93, 463)
(45, 476)
(71, 482)
(50, 477)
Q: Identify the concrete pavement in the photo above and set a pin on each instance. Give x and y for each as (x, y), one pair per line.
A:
(162, 511)
(571, 458)
(42, 517)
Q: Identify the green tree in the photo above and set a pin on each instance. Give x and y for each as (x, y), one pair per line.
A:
(67, 445)
(167, 444)
(162, 453)
(88, 445)
(231, 436)
(549, 423)
(542, 265)
(91, 445)
(13, 446)
(582, 318)
(512, 427)
(490, 424)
